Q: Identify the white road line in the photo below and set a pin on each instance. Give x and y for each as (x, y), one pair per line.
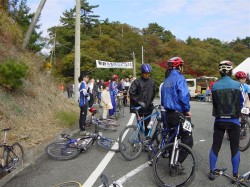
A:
(98, 171)
(131, 174)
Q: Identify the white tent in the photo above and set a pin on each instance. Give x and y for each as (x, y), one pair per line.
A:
(243, 66)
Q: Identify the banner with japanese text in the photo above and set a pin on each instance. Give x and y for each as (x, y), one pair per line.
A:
(105, 64)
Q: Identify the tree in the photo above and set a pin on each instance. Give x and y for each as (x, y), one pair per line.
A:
(20, 12)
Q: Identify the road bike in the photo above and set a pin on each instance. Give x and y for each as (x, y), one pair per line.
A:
(245, 178)
(133, 138)
(12, 155)
(175, 163)
(104, 124)
(70, 148)
(119, 105)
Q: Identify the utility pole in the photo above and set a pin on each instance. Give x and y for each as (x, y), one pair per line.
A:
(77, 49)
(142, 57)
(134, 65)
(33, 23)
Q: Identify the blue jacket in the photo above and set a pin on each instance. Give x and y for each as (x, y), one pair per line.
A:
(227, 100)
(174, 93)
(83, 99)
(113, 89)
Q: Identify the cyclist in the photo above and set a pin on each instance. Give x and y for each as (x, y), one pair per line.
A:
(142, 93)
(241, 76)
(83, 102)
(227, 103)
(113, 92)
(175, 100)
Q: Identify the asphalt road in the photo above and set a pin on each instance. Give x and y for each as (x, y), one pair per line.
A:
(46, 172)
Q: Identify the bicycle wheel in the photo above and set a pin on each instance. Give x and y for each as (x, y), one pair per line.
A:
(15, 156)
(105, 126)
(62, 150)
(69, 184)
(244, 136)
(107, 144)
(175, 175)
(130, 142)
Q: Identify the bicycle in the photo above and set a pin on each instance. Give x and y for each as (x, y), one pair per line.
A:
(245, 177)
(105, 124)
(12, 155)
(169, 169)
(120, 106)
(103, 177)
(70, 148)
(244, 130)
(133, 143)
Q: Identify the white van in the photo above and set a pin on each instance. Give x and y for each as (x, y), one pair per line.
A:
(192, 87)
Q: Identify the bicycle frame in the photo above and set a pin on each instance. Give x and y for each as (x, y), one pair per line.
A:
(140, 120)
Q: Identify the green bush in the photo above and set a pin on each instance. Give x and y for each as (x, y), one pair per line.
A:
(12, 73)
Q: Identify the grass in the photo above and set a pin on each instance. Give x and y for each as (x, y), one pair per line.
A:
(67, 118)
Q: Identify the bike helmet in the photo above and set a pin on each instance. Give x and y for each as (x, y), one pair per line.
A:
(240, 75)
(175, 62)
(225, 66)
(92, 110)
(146, 68)
(114, 77)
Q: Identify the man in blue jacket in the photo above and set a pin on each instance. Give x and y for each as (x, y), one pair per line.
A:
(227, 104)
(83, 102)
(175, 100)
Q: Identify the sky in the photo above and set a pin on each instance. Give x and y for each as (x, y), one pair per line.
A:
(222, 19)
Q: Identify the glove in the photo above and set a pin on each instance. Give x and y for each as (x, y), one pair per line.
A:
(143, 105)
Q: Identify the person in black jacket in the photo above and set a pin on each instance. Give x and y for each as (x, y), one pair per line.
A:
(142, 93)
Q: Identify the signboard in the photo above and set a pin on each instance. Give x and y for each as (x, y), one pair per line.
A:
(105, 64)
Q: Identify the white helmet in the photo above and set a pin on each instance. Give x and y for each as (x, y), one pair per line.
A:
(225, 66)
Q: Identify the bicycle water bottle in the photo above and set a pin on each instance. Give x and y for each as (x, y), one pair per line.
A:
(150, 125)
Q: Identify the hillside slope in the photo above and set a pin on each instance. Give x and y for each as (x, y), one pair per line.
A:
(38, 110)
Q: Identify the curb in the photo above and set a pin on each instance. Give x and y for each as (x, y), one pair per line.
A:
(35, 153)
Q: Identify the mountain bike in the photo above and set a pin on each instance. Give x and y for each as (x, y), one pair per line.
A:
(12, 155)
(245, 180)
(70, 148)
(119, 105)
(133, 138)
(105, 124)
(175, 163)
(244, 129)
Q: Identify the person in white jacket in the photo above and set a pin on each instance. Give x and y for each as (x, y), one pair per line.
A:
(105, 100)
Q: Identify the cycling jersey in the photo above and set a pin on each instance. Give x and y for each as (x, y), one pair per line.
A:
(83, 99)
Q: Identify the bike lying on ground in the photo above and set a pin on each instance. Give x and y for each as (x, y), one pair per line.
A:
(133, 138)
(175, 163)
(244, 179)
(77, 184)
(12, 155)
(70, 148)
(105, 124)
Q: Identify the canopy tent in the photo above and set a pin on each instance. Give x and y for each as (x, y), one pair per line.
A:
(243, 66)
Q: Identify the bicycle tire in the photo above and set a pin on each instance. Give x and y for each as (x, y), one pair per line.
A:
(69, 184)
(62, 150)
(164, 176)
(15, 156)
(245, 137)
(131, 146)
(107, 144)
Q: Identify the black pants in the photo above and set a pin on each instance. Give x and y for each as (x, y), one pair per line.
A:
(83, 115)
(186, 136)
(233, 133)
(91, 100)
